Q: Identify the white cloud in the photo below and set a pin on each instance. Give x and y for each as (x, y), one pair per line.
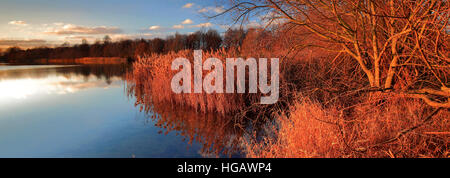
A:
(187, 21)
(18, 22)
(58, 24)
(203, 25)
(178, 27)
(217, 10)
(188, 5)
(225, 26)
(155, 27)
(203, 10)
(133, 36)
(29, 43)
(71, 29)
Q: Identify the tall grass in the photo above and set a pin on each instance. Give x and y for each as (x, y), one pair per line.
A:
(382, 130)
(324, 109)
(153, 74)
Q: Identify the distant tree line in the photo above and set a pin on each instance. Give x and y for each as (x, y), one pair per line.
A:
(202, 39)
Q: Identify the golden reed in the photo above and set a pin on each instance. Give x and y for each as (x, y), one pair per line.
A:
(316, 115)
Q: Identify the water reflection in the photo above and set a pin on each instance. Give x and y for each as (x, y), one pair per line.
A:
(21, 82)
(218, 136)
(83, 111)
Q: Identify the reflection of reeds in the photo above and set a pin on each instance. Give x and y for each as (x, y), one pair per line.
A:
(216, 134)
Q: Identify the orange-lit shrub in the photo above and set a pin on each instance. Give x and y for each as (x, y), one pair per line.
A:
(394, 128)
(337, 116)
(303, 134)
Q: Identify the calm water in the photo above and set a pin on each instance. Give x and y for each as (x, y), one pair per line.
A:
(86, 111)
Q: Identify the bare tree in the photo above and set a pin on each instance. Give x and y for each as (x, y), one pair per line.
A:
(400, 45)
(233, 38)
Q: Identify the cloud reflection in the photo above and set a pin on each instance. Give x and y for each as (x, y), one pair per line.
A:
(21, 82)
(19, 89)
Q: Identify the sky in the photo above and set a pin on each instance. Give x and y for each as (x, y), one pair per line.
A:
(31, 23)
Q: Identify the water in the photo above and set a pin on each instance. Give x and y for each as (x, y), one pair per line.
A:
(85, 111)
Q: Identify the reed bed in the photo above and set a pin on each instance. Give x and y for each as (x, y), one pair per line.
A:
(395, 128)
(323, 111)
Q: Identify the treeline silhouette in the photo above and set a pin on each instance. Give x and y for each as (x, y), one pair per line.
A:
(131, 49)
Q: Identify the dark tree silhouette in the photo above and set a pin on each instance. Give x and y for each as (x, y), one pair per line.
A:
(131, 49)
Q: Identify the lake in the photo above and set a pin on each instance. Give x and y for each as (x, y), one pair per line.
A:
(88, 111)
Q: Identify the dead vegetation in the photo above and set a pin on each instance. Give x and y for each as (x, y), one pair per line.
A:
(357, 79)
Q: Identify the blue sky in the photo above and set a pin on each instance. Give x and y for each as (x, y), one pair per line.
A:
(32, 22)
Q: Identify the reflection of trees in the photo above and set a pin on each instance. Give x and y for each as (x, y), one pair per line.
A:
(217, 135)
(102, 71)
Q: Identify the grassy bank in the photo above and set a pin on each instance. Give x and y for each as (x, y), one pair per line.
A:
(322, 111)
